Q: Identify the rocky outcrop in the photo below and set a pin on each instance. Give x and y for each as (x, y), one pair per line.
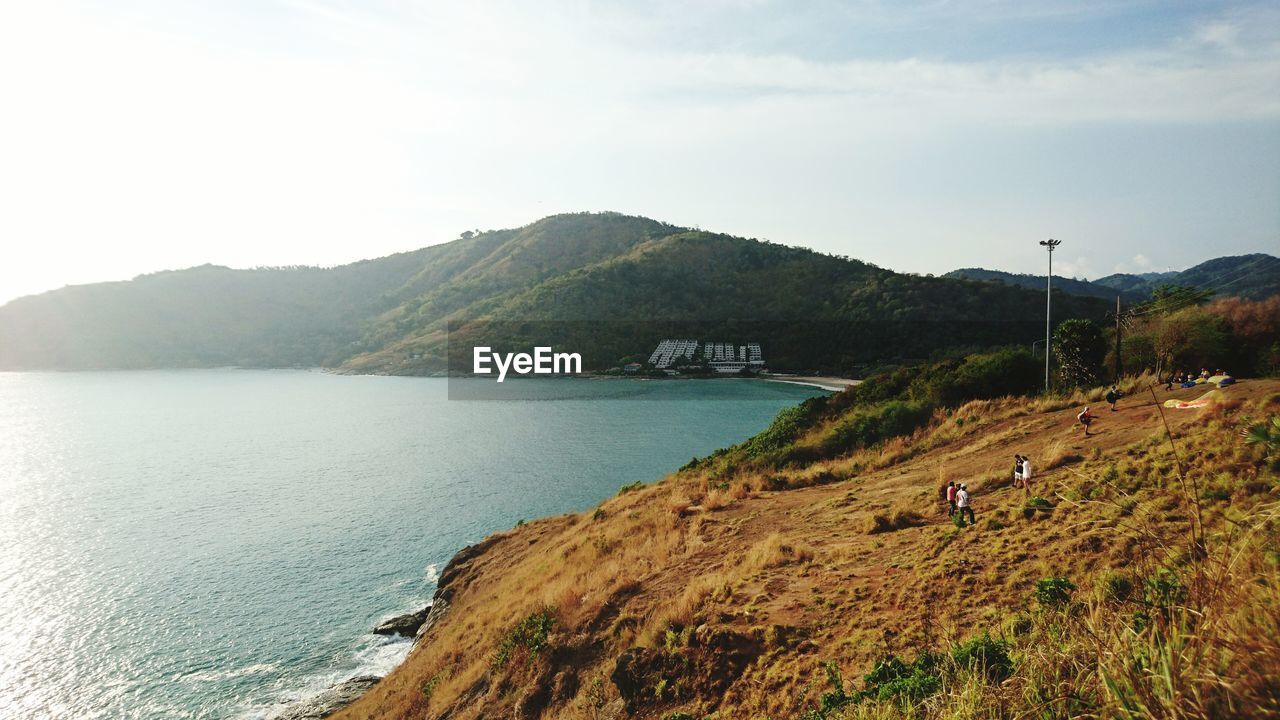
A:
(416, 624)
(330, 701)
(406, 625)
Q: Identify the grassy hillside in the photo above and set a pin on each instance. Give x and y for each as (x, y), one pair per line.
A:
(813, 573)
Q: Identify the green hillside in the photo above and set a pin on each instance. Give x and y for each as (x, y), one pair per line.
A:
(811, 311)
(610, 285)
(1253, 277)
(1136, 292)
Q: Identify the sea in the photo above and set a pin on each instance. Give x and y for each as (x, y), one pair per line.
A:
(220, 543)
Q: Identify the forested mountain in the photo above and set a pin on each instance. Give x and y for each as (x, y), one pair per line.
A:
(611, 285)
(1072, 286)
(1254, 276)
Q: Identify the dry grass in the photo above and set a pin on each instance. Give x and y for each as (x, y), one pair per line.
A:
(1056, 455)
(899, 518)
(775, 551)
(796, 572)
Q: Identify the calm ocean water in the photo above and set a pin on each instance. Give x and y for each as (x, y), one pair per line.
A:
(208, 544)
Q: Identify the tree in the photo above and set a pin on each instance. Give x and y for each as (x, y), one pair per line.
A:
(1167, 298)
(1080, 349)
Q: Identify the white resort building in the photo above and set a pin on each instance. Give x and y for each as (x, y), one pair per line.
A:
(722, 357)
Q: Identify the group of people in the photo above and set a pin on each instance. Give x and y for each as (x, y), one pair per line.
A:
(958, 501)
(1182, 379)
(1022, 472)
(958, 495)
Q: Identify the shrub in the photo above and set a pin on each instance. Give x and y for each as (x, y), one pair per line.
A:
(1164, 590)
(530, 634)
(1117, 587)
(985, 655)
(1054, 592)
(781, 432)
(868, 425)
(893, 679)
(630, 487)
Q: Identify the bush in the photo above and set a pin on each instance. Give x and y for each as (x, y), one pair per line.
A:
(1164, 590)
(893, 679)
(867, 426)
(983, 376)
(530, 634)
(1117, 588)
(985, 655)
(781, 432)
(1054, 592)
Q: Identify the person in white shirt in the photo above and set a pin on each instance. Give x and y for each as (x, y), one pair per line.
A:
(1026, 473)
(962, 503)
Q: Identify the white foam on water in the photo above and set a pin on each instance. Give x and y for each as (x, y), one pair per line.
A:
(433, 572)
(379, 655)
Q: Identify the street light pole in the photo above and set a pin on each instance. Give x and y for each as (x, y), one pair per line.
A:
(1049, 245)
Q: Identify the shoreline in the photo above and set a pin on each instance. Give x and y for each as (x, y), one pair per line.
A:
(826, 382)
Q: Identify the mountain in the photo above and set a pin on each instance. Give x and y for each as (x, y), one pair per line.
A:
(612, 285)
(1082, 288)
(1254, 277)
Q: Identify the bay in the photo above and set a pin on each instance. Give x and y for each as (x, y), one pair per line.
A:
(213, 543)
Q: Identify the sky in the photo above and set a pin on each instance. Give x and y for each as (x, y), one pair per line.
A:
(922, 136)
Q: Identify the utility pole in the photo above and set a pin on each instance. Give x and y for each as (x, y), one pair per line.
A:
(1049, 244)
(1119, 365)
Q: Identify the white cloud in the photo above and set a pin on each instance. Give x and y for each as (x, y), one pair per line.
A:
(1074, 267)
(1137, 264)
(326, 132)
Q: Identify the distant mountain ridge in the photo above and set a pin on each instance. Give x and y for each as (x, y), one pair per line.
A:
(1072, 286)
(608, 283)
(1253, 276)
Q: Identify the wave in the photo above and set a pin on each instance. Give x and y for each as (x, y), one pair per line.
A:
(377, 655)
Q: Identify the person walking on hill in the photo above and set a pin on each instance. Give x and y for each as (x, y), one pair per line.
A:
(1026, 474)
(1113, 395)
(951, 498)
(962, 503)
(1085, 417)
(1017, 470)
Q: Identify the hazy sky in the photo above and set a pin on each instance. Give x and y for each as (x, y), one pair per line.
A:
(139, 135)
